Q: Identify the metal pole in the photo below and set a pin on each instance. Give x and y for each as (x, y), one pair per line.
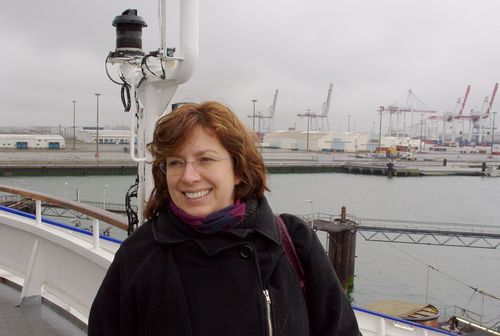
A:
(421, 130)
(307, 138)
(380, 130)
(97, 134)
(492, 133)
(104, 196)
(74, 109)
(253, 115)
(259, 115)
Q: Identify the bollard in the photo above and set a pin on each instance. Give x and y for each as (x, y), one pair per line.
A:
(390, 169)
(342, 251)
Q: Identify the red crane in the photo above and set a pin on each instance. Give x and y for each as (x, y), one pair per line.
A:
(492, 99)
(459, 114)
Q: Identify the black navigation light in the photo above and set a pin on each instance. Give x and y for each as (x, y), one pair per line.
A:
(129, 32)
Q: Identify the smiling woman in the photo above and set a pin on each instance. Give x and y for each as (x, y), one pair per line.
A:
(210, 259)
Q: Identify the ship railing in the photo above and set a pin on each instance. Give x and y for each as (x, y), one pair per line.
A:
(52, 261)
(458, 311)
(411, 224)
(315, 217)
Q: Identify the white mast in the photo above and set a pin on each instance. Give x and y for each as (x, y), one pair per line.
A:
(152, 90)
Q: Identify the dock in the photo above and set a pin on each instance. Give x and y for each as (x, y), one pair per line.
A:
(85, 163)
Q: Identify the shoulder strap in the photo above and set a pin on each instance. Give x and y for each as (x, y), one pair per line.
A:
(291, 253)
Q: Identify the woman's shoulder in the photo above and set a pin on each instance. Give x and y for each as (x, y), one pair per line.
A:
(141, 238)
(298, 229)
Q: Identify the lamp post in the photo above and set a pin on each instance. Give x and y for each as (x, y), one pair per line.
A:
(307, 138)
(421, 130)
(74, 110)
(380, 128)
(492, 133)
(97, 134)
(253, 115)
(106, 186)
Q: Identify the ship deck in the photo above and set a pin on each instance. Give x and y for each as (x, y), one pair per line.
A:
(33, 318)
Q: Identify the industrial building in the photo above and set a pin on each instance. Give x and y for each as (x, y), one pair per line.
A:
(349, 142)
(31, 141)
(298, 140)
(106, 136)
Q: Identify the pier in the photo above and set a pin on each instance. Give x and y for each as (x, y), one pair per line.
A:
(84, 163)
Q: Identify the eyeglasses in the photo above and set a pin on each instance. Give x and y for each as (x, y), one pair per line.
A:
(175, 166)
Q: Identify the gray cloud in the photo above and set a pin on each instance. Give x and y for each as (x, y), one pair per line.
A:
(53, 52)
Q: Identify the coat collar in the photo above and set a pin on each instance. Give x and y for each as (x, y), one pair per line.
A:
(259, 218)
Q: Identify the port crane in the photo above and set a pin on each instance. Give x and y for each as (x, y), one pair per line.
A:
(451, 118)
(476, 119)
(324, 113)
(262, 117)
(326, 109)
(270, 116)
(413, 105)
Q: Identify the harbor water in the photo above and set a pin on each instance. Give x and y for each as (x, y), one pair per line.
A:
(442, 276)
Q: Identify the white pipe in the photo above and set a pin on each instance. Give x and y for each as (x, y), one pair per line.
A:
(189, 39)
(155, 93)
(162, 18)
(132, 143)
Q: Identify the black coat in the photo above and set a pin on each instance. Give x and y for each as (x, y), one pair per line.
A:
(167, 279)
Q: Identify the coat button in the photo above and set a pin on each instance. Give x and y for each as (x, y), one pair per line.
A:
(246, 251)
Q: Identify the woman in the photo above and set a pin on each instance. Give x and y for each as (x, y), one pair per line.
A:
(209, 260)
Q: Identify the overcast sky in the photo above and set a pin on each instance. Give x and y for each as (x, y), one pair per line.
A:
(373, 52)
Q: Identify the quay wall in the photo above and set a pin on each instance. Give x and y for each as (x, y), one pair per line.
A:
(131, 169)
(112, 162)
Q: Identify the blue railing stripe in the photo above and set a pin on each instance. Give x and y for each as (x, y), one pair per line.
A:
(56, 223)
(417, 325)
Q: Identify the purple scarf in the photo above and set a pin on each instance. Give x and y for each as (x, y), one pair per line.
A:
(221, 220)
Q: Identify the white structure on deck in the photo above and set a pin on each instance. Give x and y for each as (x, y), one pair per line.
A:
(106, 136)
(30, 141)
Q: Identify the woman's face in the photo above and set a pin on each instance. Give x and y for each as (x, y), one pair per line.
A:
(200, 175)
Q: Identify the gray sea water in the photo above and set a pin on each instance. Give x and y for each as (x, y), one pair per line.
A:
(384, 271)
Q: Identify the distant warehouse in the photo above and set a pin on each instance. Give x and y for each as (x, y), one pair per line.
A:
(106, 136)
(30, 141)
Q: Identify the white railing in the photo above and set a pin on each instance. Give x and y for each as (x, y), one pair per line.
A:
(51, 261)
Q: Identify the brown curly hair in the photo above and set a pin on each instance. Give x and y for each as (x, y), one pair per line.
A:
(171, 132)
